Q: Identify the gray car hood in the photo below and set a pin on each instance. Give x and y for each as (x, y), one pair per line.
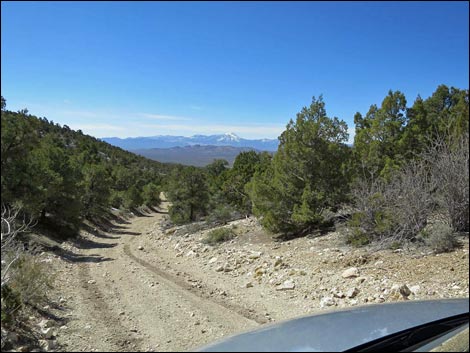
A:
(342, 329)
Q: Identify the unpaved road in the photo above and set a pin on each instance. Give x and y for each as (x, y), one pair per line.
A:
(117, 302)
(140, 287)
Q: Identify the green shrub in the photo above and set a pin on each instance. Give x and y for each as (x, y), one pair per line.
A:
(219, 235)
(441, 238)
(222, 215)
(27, 284)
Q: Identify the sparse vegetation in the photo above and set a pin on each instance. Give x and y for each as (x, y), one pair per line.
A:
(24, 278)
(219, 235)
(441, 238)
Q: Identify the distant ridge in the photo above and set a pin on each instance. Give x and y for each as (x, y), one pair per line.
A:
(167, 141)
(197, 155)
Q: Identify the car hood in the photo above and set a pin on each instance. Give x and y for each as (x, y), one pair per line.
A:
(342, 329)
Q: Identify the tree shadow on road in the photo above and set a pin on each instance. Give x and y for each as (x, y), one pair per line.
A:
(90, 244)
(70, 256)
(156, 210)
(97, 233)
(139, 213)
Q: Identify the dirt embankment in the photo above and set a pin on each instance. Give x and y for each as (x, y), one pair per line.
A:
(141, 287)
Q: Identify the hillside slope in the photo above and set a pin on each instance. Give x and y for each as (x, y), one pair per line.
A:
(142, 286)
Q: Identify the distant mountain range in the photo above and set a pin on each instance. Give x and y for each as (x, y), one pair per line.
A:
(196, 155)
(228, 139)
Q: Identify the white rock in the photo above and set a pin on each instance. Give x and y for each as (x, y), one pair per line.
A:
(46, 323)
(338, 294)
(255, 255)
(351, 293)
(350, 272)
(415, 289)
(327, 301)
(287, 285)
(212, 260)
(47, 332)
(140, 247)
(91, 281)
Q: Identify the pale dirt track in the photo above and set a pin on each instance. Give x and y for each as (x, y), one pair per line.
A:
(119, 302)
(139, 287)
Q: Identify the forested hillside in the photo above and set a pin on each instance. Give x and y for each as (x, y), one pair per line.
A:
(59, 177)
(408, 164)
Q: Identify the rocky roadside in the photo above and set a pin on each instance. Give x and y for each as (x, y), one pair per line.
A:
(281, 280)
(149, 287)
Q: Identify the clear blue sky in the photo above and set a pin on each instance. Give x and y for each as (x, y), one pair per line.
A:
(155, 68)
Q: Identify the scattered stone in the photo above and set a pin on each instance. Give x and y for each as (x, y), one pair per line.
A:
(404, 290)
(212, 260)
(350, 272)
(248, 285)
(360, 280)
(327, 301)
(47, 333)
(91, 281)
(140, 247)
(255, 255)
(351, 293)
(415, 289)
(219, 269)
(45, 323)
(287, 285)
(227, 267)
(338, 294)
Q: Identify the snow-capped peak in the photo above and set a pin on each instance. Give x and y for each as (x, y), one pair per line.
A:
(229, 136)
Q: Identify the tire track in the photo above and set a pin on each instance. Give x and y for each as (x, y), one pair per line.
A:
(194, 294)
(118, 334)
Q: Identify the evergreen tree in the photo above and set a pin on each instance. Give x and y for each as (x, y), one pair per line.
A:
(188, 193)
(308, 174)
(378, 135)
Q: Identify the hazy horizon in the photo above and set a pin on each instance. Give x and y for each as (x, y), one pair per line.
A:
(181, 68)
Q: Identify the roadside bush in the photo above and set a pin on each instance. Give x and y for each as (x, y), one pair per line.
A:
(441, 238)
(222, 215)
(218, 236)
(24, 278)
(29, 280)
(391, 210)
(449, 164)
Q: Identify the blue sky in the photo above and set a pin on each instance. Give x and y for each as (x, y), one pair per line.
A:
(155, 68)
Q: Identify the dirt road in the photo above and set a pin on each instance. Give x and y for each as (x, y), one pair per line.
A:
(118, 302)
(140, 287)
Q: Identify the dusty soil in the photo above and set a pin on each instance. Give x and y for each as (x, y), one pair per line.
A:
(142, 287)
